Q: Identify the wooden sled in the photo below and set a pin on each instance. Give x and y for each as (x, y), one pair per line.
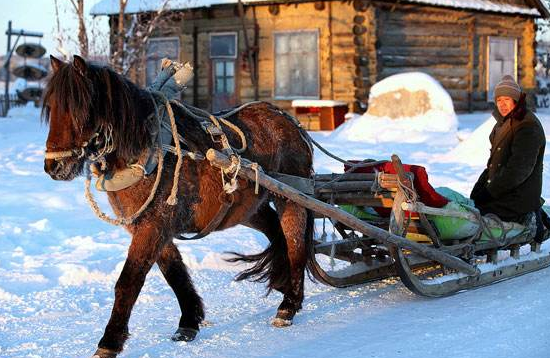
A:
(368, 250)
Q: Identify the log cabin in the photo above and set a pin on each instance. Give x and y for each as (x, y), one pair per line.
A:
(333, 51)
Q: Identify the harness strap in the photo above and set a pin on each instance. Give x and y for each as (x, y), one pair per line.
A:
(59, 155)
(226, 201)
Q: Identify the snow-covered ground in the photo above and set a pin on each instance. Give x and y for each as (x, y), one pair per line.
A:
(59, 265)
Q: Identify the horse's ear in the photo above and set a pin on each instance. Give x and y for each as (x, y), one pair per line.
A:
(80, 64)
(55, 63)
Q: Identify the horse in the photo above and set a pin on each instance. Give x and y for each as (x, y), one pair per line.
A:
(82, 99)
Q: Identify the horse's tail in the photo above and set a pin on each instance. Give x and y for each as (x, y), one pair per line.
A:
(272, 265)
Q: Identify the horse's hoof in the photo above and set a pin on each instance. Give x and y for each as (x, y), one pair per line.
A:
(185, 334)
(281, 322)
(284, 317)
(104, 353)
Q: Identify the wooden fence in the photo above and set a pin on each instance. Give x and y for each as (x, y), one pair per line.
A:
(14, 101)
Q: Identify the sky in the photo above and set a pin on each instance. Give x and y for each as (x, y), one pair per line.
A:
(39, 16)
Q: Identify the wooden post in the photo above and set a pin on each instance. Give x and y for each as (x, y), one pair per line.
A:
(220, 160)
(514, 251)
(250, 58)
(7, 68)
(195, 67)
(492, 256)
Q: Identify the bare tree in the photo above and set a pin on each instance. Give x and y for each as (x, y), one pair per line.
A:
(78, 6)
(130, 34)
(59, 34)
(131, 42)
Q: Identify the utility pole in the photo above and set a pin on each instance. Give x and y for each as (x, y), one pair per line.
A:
(10, 32)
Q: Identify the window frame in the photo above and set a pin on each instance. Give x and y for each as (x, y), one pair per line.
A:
(223, 33)
(159, 39)
(224, 60)
(488, 63)
(282, 97)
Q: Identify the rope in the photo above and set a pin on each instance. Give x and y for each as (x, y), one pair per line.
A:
(173, 198)
(131, 219)
(484, 228)
(233, 169)
(107, 148)
(256, 169)
(239, 132)
(362, 164)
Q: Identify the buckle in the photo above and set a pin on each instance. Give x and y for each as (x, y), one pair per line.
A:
(214, 131)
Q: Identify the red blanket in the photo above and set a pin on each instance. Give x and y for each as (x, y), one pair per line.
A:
(425, 191)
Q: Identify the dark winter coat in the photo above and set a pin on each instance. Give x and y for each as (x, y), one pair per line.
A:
(511, 185)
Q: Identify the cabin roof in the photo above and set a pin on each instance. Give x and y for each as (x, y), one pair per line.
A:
(531, 8)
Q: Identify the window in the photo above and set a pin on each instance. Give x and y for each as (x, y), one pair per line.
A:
(224, 76)
(223, 51)
(502, 60)
(157, 49)
(296, 65)
(223, 45)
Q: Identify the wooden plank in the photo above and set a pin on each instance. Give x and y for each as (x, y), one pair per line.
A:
(344, 176)
(451, 72)
(449, 30)
(422, 51)
(422, 61)
(423, 41)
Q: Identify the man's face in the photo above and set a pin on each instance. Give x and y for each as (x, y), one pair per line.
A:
(505, 105)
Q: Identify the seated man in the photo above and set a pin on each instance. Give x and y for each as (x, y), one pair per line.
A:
(510, 187)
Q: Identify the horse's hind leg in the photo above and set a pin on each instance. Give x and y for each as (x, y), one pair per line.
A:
(143, 253)
(175, 273)
(294, 223)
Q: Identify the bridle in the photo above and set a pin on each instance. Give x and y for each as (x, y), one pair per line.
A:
(102, 135)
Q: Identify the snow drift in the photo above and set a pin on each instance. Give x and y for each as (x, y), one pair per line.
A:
(408, 108)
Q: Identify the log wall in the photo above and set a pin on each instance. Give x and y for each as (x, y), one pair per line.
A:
(361, 42)
(452, 46)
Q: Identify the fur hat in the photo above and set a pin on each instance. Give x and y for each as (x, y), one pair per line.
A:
(508, 87)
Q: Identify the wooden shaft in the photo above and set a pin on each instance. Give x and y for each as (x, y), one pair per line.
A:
(220, 160)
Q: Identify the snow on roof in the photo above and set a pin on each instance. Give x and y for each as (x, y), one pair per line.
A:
(487, 5)
(111, 7)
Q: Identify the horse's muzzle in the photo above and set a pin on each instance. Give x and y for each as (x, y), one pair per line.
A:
(60, 169)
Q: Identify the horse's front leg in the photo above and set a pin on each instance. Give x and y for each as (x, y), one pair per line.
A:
(147, 243)
(175, 273)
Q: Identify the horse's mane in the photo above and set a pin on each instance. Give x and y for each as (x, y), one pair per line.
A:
(100, 96)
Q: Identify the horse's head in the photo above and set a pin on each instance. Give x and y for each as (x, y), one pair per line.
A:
(91, 112)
